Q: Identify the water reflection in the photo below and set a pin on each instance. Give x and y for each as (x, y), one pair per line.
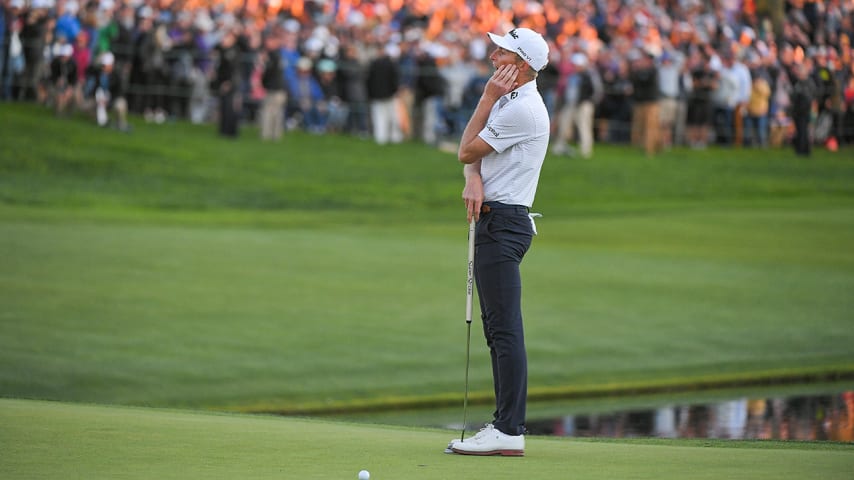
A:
(821, 417)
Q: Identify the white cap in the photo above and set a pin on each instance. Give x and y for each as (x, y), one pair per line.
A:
(392, 50)
(107, 58)
(528, 44)
(579, 59)
(63, 50)
(304, 63)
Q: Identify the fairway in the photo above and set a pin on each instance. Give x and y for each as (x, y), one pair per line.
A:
(112, 442)
(178, 315)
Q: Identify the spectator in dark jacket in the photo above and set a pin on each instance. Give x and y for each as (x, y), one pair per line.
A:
(352, 75)
(63, 77)
(383, 82)
(110, 92)
(33, 38)
(273, 80)
(227, 82)
(644, 78)
(429, 89)
(804, 96)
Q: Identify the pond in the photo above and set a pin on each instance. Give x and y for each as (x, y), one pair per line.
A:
(818, 417)
(800, 412)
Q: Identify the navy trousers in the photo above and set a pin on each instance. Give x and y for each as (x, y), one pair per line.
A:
(504, 235)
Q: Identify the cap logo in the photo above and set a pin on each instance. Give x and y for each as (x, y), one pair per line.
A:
(513, 95)
(513, 34)
(524, 55)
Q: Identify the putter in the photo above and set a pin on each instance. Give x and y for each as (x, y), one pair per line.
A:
(469, 294)
(469, 287)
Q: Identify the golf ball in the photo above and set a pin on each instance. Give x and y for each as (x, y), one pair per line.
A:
(364, 475)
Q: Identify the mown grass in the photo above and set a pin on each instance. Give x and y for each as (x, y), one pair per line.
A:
(180, 167)
(171, 267)
(112, 442)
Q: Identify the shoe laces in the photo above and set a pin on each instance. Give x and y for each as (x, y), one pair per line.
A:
(487, 429)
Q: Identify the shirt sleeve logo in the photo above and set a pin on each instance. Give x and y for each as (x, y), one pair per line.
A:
(513, 95)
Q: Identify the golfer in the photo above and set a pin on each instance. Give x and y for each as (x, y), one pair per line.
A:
(503, 148)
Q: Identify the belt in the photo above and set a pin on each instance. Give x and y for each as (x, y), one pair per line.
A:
(503, 208)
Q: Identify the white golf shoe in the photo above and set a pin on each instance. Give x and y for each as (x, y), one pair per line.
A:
(491, 441)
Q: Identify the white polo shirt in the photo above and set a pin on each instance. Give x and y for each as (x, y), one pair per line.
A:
(518, 130)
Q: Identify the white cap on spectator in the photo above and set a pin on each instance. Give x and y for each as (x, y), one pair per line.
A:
(304, 63)
(313, 45)
(478, 48)
(71, 7)
(16, 4)
(63, 50)
(579, 59)
(321, 32)
(291, 25)
(413, 35)
(528, 44)
(106, 5)
(356, 18)
(436, 50)
(392, 50)
(204, 22)
(107, 58)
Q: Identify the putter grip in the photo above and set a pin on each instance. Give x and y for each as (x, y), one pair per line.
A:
(470, 279)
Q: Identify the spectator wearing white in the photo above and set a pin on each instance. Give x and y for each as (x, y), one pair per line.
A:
(745, 82)
(457, 73)
(669, 72)
(110, 93)
(583, 91)
(726, 99)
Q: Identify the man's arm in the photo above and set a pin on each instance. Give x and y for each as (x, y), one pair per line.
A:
(473, 191)
(472, 147)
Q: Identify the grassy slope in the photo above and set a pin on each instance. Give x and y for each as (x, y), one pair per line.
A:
(110, 442)
(171, 267)
(175, 315)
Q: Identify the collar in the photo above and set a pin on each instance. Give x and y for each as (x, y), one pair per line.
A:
(523, 89)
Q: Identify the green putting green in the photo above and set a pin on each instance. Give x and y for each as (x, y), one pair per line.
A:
(57, 440)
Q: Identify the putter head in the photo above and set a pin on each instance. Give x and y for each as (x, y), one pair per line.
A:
(450, 444)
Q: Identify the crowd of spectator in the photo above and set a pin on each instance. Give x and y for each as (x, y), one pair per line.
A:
(653, 73)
